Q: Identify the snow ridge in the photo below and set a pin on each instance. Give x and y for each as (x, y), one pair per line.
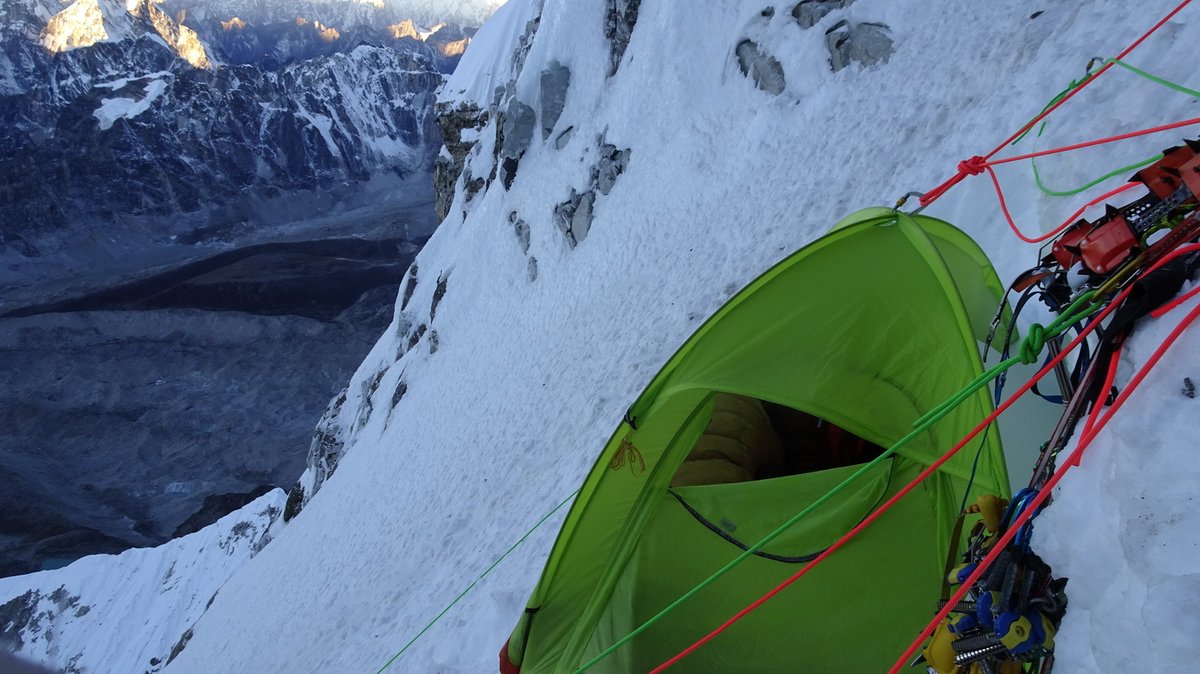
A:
(74, 617)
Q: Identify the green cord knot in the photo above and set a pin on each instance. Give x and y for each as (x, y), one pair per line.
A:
(1031, 347)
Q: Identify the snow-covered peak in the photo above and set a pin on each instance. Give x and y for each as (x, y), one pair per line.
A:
(84, 23)
(88, 22)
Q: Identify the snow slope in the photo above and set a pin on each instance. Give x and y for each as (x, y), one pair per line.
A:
(486, 63)
(126, 612)
(514, 353)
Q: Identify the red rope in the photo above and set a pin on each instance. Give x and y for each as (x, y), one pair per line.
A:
(1066, 223)
(977, 165)
(1099, 141)
(1089, 79)
(1157, 313)
(1042, 495)
(969, 166)
(1098, 404)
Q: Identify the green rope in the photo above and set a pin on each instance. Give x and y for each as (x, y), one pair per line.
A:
(1031, 348)
(1155, 78)
(1075, 84)
(476, 581)
(1037, 176)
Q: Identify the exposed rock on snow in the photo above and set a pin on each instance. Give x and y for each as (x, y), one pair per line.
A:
(763, 68)
(438, 293)
(611, 163)
(574, 216)
(460, 131)
(555, 81)
(522, 230)
(864, 43)
(619, 19)
(516, 133)
(324, 452)
(809, 12)
(564, 138)
(410, 285)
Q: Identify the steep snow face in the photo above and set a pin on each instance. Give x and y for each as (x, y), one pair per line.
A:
(489, 62)
(74, 617)
(571, 264)
(1125, 527)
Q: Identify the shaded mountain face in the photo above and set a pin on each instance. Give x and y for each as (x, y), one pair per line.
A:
(121, 117)
(205, 211)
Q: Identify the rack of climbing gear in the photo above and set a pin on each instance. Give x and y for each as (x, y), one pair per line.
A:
(1133, 259)
(1013, 614)
(1111, 252)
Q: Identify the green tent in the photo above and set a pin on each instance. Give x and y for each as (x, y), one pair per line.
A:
(862, 331)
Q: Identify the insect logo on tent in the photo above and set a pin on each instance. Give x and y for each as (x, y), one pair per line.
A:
(628, 454)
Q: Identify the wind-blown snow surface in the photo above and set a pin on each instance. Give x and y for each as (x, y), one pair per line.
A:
(456, 450)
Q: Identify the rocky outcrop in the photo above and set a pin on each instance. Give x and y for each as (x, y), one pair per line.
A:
(515, 129)
(809, 12)
(574, 216)
(555, 81)
(477, 100)
(762, 68)
(619, 19)
(864, 43)
(328, 443)
(459, 126)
